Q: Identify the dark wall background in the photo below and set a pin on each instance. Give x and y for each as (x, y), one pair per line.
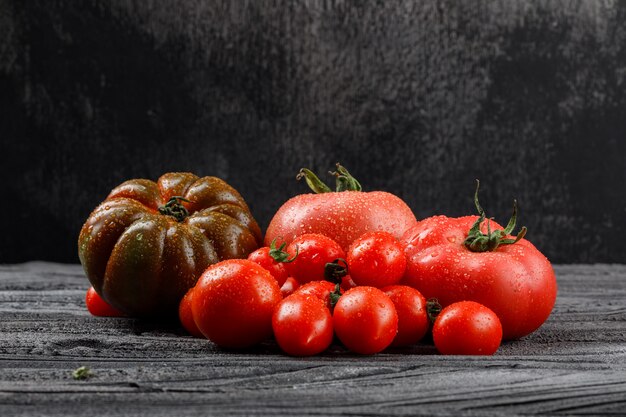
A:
(415, 97)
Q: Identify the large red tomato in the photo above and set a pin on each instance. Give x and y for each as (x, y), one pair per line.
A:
(343, 215)
(468, 258)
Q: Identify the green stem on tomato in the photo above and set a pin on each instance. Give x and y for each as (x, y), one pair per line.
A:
(433, 308)
(279, 254)
(477, 241)
(344, 181)
(175, 208)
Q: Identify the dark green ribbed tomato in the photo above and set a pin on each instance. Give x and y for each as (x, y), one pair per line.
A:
(148, 242)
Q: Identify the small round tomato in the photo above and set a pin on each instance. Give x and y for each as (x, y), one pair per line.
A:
(412, 314)
(302, 325)
(98, 307)
(467, 328)
(312, 252)
(233, 302)
(365, 320)
(319, 289)
(185, 315)
(376, 259)
(273, 259)
(288, 288)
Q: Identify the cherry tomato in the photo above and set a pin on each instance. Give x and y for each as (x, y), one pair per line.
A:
(467, 328)
(312, 252)
(185, 315)
(376, 259)
(319, 289)
(412, 314)
(288, 288)
(273, 259)
(365, 320)
(302, 325)
(233, 303)
(98, 307)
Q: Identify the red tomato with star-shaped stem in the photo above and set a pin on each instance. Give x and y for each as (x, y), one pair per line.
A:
(470, 259)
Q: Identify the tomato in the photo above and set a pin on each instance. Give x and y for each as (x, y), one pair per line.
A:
(347, 283)
(185, 315)
(365, 320)
(318, 289)
(148, 242)
(273, 259)
(343, 215)
(513, 278)
(312, 252)
(98, 307)
(376, 259)
(413, 320)
(467, 328)
(233, 303)
(290, 285)
(302, 325)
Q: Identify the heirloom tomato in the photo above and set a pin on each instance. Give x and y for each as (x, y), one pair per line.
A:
(342, 215)
(148, 242)
(470, 259)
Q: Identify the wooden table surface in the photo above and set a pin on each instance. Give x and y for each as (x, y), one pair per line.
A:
(574, 365)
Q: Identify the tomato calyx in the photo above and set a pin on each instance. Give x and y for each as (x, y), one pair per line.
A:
(477, 241)
(334, 271)
(279, 254)
(344, 181)
(433, 308)
(175, 208)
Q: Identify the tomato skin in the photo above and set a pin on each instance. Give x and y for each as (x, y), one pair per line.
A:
(365, 320)
(313, 251)
(262, 257)
(289, 287)
(413, 320)
(318, 289)
(98, 307)
(342, 216)
(515, 281)
(233, 303)
(376, 259)
(185, 315)
(302, 325)
(467, 328)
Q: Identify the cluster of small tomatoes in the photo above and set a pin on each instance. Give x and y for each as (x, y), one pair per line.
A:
(303, 295)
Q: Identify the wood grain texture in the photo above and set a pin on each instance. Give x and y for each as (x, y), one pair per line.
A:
(573, 365)
(415, 97)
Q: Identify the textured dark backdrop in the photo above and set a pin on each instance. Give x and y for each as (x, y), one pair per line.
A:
(415, 97)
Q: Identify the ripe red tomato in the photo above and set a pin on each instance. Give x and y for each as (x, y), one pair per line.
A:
(513, 279)
(273, 259)
(98, 307)
(233, 303)
(312, 252)
(343, 215)
(365, 320)
(467, 328)
(376, 259)
(288, 288)
(302, 325)
(318, 289)
(185, 315)
(412, 314)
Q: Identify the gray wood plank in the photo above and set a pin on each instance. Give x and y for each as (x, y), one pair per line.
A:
(573, 365)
